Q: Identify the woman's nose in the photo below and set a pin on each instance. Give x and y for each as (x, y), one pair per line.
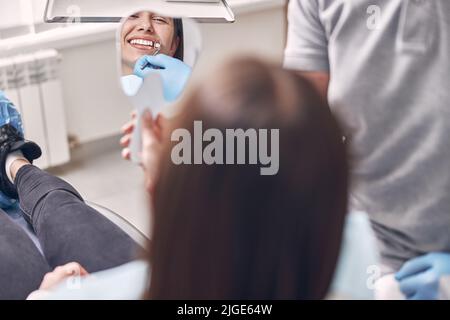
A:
(146, 27)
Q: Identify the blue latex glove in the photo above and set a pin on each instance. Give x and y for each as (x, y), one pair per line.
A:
(174, 73)
(419, 277)
(8, 114)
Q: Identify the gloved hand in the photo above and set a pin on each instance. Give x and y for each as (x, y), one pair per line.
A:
(8, 114)
(419, 277)
(174, 73)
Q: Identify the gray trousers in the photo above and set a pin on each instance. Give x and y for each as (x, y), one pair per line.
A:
(68, 230)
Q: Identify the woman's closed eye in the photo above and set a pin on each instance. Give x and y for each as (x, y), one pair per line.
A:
(159, 19)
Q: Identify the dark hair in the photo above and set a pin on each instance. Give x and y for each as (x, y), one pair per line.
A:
(179, 54)
(225, 231)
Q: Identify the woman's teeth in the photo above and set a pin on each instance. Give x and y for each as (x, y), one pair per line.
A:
(147, 43)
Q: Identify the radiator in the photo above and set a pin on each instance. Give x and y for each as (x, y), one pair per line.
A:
(31, 82)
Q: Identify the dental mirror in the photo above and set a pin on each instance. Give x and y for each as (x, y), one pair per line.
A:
(157, 54)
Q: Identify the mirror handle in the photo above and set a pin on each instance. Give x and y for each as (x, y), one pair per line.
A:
(136, 140)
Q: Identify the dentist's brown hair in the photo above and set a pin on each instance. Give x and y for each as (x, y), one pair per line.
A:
(226, 231)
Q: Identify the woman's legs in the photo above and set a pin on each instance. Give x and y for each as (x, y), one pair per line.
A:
(67, 228)
(22, 266)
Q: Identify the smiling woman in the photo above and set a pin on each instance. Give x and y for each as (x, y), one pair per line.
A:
(147, 33)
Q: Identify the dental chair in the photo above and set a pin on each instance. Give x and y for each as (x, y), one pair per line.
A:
(122, 223)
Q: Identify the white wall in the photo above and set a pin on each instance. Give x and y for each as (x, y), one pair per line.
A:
(16, 13)
(260, 33)
(95, 106)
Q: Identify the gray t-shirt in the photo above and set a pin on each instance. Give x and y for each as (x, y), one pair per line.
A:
(389, 62)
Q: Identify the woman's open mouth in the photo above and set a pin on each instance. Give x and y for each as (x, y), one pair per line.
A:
(145, 45)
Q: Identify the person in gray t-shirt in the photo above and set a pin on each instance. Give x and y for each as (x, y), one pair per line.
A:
(384, 66)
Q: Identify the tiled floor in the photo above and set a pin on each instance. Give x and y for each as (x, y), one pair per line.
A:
(101, 176)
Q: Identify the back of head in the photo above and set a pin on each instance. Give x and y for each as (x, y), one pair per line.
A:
(228, 232)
